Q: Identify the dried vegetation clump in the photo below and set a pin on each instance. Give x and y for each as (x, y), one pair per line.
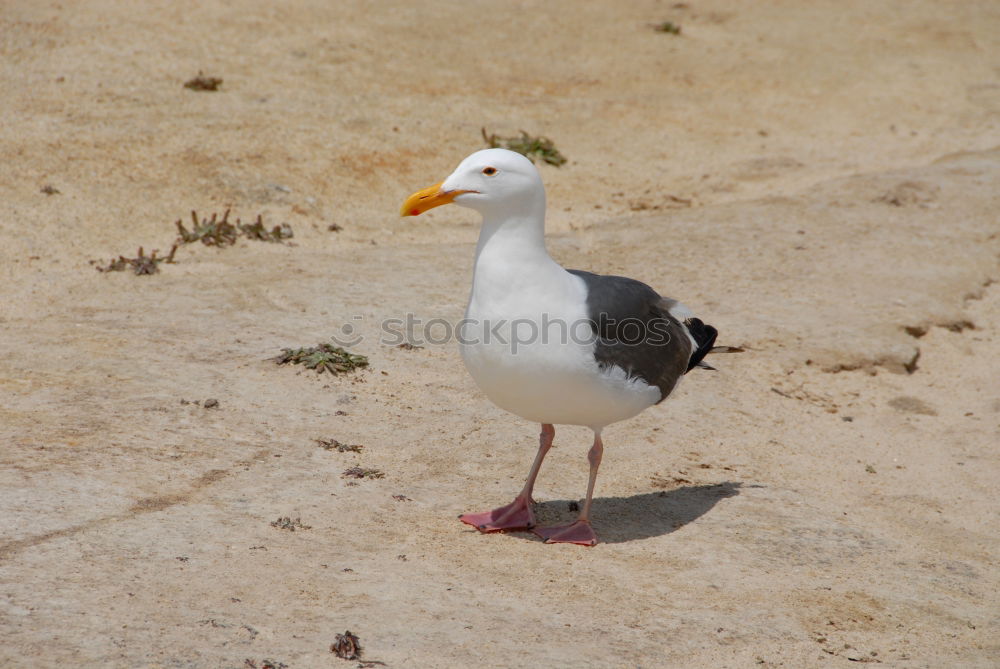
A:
(203, 83)
(286, 523)
(340, 447)
(220, 232)
(347, 646)
(209, 231)
(363, 473)
(140, 265)
(322, 358)
(533, 147)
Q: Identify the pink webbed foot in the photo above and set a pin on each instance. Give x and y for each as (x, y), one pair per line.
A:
(515, 516)
(579, 533)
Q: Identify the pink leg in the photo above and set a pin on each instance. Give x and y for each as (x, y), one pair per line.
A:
(580, 531)
(517, 515)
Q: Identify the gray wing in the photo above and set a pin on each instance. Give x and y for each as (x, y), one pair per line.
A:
(637, 332)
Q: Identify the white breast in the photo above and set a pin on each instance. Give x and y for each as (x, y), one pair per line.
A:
(528, 344)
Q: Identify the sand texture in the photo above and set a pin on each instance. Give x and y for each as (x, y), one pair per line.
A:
(819, 180)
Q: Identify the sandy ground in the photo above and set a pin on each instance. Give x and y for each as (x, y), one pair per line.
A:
(818, 180)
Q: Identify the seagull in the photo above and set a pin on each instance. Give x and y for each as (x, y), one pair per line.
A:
(551, 345)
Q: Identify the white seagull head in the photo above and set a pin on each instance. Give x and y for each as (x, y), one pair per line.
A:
(491, 180)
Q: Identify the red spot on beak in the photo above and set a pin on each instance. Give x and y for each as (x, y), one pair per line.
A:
(414, 212)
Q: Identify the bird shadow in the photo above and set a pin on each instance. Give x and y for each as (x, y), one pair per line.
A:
(651, 514)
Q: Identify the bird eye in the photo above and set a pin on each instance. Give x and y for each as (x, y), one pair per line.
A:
(489, 171)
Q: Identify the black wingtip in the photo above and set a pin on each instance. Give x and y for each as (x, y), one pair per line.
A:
(704, 336)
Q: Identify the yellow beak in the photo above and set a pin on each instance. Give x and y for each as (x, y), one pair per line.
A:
(428, 198)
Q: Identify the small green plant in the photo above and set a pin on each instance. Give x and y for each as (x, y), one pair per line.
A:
(322, 358)
(668, 27)
(535, 148)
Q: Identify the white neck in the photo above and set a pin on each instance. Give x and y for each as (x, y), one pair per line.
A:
(511, 252)
(510, 236)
